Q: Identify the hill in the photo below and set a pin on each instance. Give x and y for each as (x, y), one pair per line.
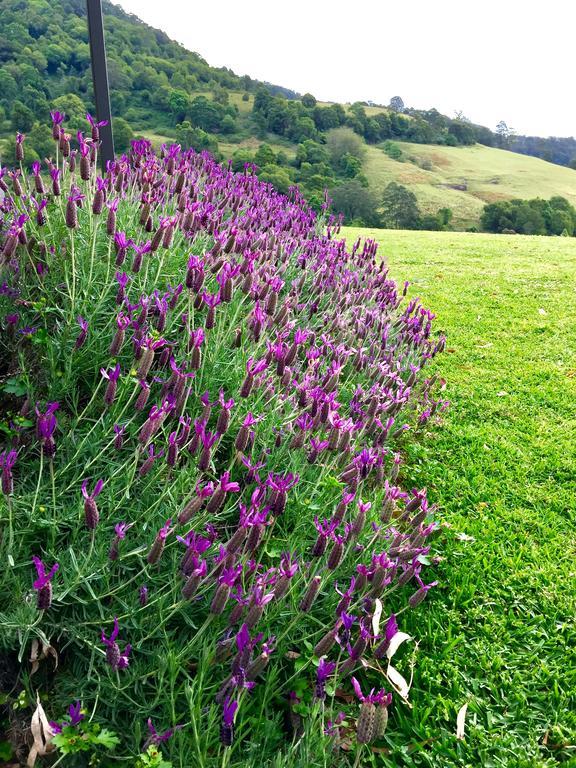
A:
(465, 178)
(166, 93)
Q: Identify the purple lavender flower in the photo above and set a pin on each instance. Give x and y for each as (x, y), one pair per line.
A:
(43, 584)
(115, 658)
(45, 426)
(112, 377)
(157, 548)
(75, 717)
(7, 462)
(324, 671)
(227, 728)
(81, 338)
(158, 738)
(95, 125)
(91, 513)
(120, 530)
(57, 120)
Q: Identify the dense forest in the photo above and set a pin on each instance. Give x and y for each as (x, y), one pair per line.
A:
(159, 88)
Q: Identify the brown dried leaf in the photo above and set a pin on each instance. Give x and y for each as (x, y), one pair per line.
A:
(40, 651)
(42, 734)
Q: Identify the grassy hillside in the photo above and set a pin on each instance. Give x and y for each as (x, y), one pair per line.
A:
(489, 175)
(501, 634)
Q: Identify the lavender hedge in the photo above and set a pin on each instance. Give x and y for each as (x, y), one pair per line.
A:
(204, 400)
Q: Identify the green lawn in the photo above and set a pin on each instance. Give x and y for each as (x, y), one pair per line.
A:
(499, 632)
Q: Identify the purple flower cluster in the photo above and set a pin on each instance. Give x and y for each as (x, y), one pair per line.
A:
(279, 376)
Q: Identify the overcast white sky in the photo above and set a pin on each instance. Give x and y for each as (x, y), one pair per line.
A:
(509, 60)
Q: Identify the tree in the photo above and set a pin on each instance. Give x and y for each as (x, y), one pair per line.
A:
(343, 141)
(396, 104)
(189, 136)
(240, 158)
(400, 208)
(504, 133)
(276, 176)
(228, 124)
(123, 134)
(22, 117)
(308, 101)
(356, 203)
(265, 155)
(74, 109)
(178, 103)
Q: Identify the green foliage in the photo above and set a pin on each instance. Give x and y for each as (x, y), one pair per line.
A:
(123, 134)
(400, 208)
(530, 217)
(265, 155)
(392, 150)
(279, 177)
(342, 142)
(152, 758)
(178, 103)
(189, 136)
(355, 202)
(240, 158)
(22, 117)
(84, 737)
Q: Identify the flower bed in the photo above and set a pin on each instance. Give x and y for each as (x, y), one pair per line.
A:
(205, 397)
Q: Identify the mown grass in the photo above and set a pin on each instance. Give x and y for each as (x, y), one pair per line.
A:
(499, 633)
(489, 175)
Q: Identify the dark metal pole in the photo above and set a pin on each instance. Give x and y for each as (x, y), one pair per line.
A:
(100, 78)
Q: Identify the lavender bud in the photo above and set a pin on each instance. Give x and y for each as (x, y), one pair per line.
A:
(156, 550)
(71, 214)
(324, 645)
(335, 556)
(91, 514)
(220, 599)
(44, 597)
(190, 509)
(117, 342)
(366, 723)
(191, 586)
(311, 594)
(257, 667)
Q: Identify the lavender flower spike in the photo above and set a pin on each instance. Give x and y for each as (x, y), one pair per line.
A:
(7, 461)
(114, 657)
(91, 513)
(43, 584)
(81, 338)
(227, 728)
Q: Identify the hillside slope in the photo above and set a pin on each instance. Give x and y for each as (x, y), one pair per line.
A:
(465, 178)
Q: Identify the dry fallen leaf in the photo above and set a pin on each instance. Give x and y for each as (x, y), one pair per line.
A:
(398, 682)
(396, 642)
(460, 721)
(42, 734)
(377, 616)
(40, 651)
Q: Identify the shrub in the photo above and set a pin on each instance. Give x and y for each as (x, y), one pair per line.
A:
(393, 151)
(205, 396)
